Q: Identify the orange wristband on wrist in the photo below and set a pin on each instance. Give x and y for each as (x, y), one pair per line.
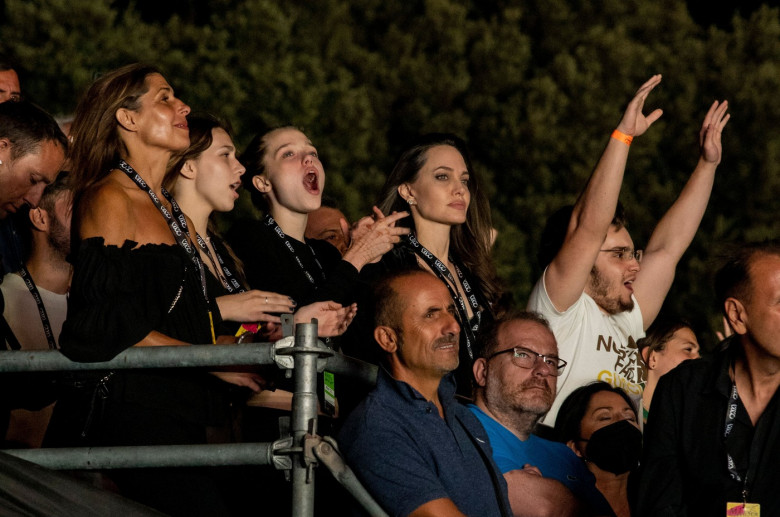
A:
(626, 139)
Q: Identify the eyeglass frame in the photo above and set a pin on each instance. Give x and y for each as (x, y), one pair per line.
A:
(626, 253)
(557, 370)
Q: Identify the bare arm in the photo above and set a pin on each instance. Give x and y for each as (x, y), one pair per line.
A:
(437, 508)
(568, 273)
(531, 495)
(677, 227)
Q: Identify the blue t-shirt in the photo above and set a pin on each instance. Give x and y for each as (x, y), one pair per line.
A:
(406, 455)
(553, 459)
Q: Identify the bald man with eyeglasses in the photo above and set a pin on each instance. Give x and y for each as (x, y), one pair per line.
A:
(599, 291)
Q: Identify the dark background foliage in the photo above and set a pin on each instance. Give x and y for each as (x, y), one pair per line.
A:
(534, 86)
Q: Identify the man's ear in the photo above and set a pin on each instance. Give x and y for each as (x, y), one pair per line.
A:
(189, 170)
(480, 371)
(39, 219)
(261, 183)
(736, 314)
(387, 339)
(126, 119)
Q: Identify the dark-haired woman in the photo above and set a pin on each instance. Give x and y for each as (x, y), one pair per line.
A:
(668, 342)
(450, 231)
(599, 423)
(138, 281)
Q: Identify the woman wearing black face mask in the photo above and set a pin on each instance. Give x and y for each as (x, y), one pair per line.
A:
(599, 423)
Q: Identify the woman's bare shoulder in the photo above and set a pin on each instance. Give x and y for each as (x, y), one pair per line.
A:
(106, 210)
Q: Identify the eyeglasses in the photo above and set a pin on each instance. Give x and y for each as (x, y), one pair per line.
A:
(625, 254)
(525, 358)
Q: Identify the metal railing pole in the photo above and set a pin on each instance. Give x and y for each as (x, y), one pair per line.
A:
(143, 357)
(144, 456)
(304, 417)
(352, 368)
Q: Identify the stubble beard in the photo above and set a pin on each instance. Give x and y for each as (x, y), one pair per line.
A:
(600, 287)
(514, 401)
(59, 238)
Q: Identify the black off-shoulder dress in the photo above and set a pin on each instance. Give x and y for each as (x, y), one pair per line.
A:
(118, 296)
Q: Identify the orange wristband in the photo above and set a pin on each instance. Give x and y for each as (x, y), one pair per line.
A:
(626, 139)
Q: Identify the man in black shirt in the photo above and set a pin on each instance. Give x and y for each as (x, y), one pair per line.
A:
(712, 442)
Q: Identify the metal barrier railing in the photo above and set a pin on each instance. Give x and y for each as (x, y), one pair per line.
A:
(303, 355)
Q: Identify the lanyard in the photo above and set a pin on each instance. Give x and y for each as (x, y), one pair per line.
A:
(731, 416)
(180, 233)
(440, 270)
(232, 285)
(28, 280)
(271, 223)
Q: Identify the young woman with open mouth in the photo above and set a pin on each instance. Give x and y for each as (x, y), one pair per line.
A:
(205, 179)
(286, 179)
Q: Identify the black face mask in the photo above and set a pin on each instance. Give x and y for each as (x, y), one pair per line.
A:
(615, 448)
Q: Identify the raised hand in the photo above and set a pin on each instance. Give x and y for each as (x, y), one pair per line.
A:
(711, 129)
(363, 226)
(634, 122)
(378, 238)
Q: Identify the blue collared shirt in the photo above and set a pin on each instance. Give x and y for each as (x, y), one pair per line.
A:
(406, 455)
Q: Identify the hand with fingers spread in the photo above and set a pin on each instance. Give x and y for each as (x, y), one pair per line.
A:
(254, 305)
(332, 318)
(711, 129)
(379, 238)
(634, 122)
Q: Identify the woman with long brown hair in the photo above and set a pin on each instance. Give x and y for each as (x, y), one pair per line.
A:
(138, 281)
(450, 230)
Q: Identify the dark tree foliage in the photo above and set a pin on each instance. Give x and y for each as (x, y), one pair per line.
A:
(534, 86)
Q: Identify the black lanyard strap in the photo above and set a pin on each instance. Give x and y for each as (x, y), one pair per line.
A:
(444, 274)
(227, 277)
(177, 223)
(271, 223)
(28, 281)
(731, 417)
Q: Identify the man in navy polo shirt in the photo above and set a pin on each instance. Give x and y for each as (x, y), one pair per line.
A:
(417, 450)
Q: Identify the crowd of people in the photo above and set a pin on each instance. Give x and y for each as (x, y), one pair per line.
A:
(109, 241)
